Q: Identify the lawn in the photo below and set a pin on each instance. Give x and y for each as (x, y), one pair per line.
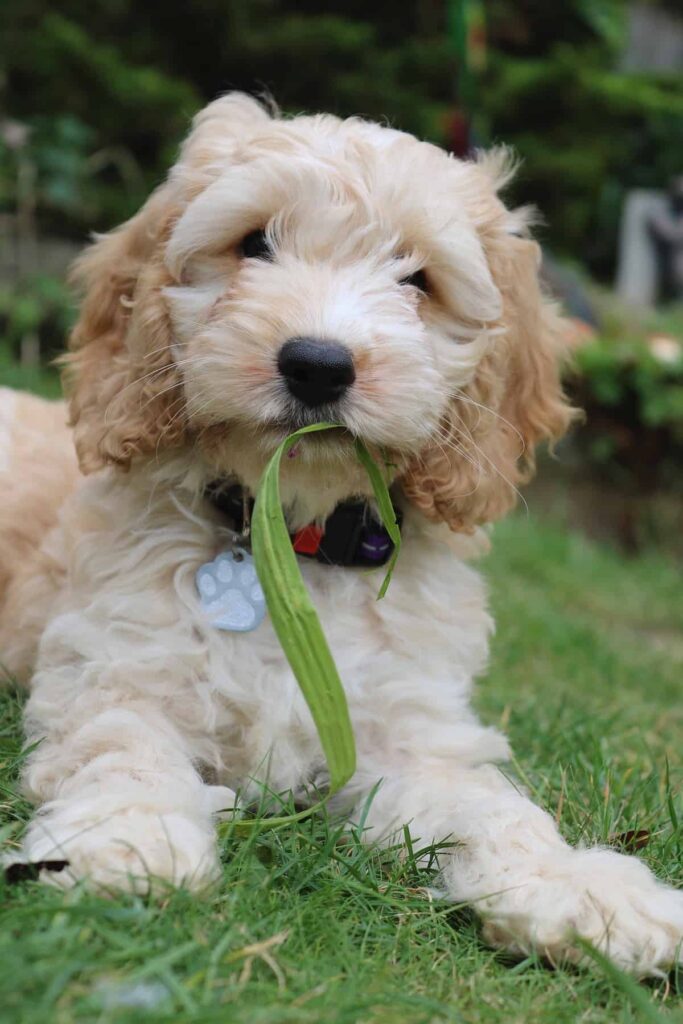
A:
(310, 927)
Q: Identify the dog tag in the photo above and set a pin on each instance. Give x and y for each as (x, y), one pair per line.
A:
(230, 593)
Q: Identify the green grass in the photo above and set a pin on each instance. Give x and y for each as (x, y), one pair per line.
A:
(308, 927)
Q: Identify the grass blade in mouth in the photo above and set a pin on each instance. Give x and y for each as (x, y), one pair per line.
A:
(296, 622)
(294, 617)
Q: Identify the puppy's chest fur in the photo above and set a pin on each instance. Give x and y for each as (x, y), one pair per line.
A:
(135, 556)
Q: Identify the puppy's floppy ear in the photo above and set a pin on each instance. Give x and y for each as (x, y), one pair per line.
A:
(125, 390)
(120, 377)
(470, 473)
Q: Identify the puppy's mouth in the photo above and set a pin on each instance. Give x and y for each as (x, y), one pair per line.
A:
(294, 415)
(337, 436)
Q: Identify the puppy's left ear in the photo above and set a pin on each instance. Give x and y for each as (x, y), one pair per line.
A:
(470, 473)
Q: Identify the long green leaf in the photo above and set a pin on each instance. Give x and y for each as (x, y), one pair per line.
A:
(296, 622)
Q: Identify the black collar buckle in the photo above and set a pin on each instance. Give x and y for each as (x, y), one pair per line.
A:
(351, 535)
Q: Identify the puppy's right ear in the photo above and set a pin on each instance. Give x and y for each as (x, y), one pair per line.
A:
(120, 375)
(124, 387)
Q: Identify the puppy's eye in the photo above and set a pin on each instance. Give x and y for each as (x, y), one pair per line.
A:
(254, 246)
(417, 280)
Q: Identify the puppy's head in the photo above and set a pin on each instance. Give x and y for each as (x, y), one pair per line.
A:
(292, 271)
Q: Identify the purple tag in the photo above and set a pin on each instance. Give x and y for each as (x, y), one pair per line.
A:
(376, 546)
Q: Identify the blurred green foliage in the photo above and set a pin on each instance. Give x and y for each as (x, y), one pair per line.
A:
(39, 305)
(587, 135)
(107, 88)
(629, 382)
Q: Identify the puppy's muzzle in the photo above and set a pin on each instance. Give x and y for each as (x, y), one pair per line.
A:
(316, 371)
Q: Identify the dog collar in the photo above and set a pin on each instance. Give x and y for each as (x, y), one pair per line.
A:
(350, 536)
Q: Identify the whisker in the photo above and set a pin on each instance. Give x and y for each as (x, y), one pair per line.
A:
(132, 383)
(462, 397)
(496, 469)
(452, 444)
(171, 422)
(196, 361)
(468, 439)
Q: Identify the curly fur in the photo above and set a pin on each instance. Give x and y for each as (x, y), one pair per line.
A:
(145, 720)
(470, 474)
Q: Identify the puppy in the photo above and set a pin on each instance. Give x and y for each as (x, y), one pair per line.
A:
(288, 272)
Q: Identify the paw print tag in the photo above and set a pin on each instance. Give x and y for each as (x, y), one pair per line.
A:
(230, 593)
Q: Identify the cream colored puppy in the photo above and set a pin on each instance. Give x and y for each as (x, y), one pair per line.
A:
(291, 271)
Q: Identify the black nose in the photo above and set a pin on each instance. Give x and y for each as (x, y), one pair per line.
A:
(317, 371)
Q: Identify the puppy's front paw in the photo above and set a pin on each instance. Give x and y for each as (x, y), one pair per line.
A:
(133, 850)
(610, 900)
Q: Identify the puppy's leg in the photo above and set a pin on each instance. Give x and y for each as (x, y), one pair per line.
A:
(121, 799)
(531, 889)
